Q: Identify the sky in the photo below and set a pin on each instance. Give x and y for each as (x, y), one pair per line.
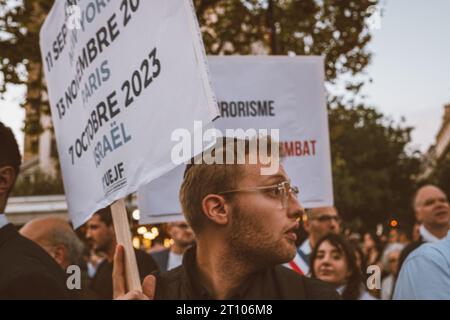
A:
(410, 69)
(411, 65)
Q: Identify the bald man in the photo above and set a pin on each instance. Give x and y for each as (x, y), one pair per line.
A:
(56, 237)
(59, 240)
(424, 273)
(432, 211)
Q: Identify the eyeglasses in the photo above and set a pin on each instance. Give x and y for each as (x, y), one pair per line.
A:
(282, 190)
(327, 218)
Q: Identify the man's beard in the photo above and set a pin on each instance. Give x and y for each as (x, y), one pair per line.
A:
(253, 243)
(102, 247)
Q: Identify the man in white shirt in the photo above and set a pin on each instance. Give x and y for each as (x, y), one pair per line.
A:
(433, 213)
(432, 210)
(318, 223)
(183, 237)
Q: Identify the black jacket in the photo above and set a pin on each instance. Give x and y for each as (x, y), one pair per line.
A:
(27, 271)
(274, 283)
(102, 285)
(162, 259)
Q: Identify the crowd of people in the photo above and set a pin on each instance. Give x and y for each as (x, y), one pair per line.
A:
(242, 239)
(345, 259)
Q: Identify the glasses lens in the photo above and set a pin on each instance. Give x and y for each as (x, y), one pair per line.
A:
(286, 191)
(328, 218)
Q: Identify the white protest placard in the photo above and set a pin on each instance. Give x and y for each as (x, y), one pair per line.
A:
(122, 75)
(285, 93)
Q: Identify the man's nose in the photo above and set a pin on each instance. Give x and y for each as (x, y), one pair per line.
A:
(442, 204)
(326, 260)
(334, 224)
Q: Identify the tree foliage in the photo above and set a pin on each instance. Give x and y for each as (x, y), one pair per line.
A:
(337, 29)
(373, 170)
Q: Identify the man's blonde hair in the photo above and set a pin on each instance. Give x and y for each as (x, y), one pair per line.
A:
(202, 179)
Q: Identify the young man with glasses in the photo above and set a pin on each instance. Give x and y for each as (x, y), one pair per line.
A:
(318, 223)
(245, 225)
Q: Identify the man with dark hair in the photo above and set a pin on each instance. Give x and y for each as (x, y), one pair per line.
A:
(245, 220)
(101, 235)
(26, 270)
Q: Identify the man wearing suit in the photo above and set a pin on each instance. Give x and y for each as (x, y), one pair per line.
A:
(183, 237)
(431, 207)
(26, 270)
(101, 235)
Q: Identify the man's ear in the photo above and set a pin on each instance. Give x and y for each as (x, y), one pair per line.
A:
(7, 179)
(60, 254)
(216, 209)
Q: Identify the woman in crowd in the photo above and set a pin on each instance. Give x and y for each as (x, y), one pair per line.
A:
(390, 261)
(333, 260)
(372, 248)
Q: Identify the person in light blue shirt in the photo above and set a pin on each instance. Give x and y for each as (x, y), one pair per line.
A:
(425, 274)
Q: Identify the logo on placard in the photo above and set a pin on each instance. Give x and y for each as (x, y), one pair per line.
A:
(114, 179)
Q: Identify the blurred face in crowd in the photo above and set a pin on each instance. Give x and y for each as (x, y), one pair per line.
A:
(331, 265)
(263, 224)
(369, 242)
(10, 161)
(393, 259)
(403, 237)
(7, 179)
(393, 236)
(43, 232)
(432, 208)
(181, 233)
(322, 221)
(99, 234)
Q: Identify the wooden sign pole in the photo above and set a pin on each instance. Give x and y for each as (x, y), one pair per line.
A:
(123, 236)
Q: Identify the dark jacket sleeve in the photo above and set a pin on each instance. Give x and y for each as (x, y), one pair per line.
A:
(319, 290)
(162, 259)
(146, 264)
(292, 286)
(35, 286)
